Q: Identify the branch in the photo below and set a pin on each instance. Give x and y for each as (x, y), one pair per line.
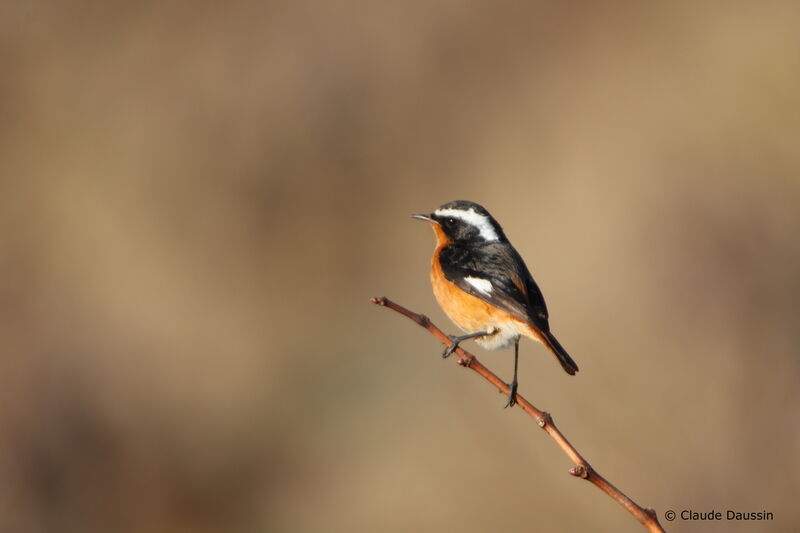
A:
(582, 468)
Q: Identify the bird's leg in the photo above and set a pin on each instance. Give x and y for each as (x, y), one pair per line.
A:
(457, 340)
(512, 388)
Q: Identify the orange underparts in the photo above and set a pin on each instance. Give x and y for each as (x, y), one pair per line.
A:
(469, 312)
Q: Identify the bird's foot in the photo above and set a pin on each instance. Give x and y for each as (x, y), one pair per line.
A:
(512, 395)
(454, 342)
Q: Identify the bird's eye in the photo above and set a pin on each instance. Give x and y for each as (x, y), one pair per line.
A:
(450, 222)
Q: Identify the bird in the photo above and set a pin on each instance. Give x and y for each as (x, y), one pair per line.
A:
(483, 285)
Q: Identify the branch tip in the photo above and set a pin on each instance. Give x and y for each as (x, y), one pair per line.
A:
(378, 300)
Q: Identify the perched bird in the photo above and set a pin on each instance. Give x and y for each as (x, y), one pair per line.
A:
(482, 284)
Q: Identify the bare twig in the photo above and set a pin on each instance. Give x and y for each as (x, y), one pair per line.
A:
(582, 468)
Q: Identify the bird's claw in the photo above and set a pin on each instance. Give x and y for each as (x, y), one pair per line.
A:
(452, 348)
(512, 395)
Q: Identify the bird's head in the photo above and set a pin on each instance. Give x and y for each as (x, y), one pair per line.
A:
(463, 222)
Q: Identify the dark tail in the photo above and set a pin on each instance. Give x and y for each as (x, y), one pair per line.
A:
(570, 366)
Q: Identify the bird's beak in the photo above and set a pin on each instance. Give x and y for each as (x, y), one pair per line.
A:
(426, 218)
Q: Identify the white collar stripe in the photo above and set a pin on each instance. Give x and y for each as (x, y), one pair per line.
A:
(475, 219)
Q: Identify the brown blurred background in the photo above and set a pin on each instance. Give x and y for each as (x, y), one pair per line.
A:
(197, 202)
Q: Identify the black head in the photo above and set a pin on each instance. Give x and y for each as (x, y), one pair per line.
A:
(466, 222)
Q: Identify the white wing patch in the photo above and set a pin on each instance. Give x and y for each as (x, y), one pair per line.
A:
(474, 218)
(483, 285)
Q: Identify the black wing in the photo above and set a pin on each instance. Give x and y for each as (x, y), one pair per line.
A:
(512, 286)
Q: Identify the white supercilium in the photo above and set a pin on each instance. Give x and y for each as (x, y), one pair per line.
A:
(473, 218)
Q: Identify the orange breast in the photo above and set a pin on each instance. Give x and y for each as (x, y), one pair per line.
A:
(468, 312)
